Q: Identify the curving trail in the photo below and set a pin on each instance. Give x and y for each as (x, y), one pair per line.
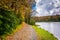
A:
(26, 33)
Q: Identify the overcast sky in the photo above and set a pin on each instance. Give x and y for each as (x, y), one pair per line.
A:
(48, 7)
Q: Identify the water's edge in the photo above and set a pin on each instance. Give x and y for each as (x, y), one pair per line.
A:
(52, 27)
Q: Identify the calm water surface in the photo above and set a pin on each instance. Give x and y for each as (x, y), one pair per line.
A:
(52, 27)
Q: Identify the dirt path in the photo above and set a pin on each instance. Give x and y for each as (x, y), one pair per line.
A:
(26, 33)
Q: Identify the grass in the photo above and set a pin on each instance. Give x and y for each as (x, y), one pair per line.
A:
(45, 35)
(19, 27)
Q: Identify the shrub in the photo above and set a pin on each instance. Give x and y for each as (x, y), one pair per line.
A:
(8, 21)
(31, 22)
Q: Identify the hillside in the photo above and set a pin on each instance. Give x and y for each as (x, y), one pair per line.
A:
(55, 18)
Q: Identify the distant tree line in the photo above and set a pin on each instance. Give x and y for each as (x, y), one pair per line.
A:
(47, 18)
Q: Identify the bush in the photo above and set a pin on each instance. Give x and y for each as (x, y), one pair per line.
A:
(31, 22)
(8, 21)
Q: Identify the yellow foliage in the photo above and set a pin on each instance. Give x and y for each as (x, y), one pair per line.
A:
(22, 6)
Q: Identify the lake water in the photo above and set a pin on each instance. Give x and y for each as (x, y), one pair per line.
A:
(52, 27)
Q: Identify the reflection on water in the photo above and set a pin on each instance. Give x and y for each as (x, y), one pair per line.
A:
(52, 27)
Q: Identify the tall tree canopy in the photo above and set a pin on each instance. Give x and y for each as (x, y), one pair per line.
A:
(22, 6)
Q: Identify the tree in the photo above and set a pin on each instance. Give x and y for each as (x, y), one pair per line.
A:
(18, 6)
(8, 21)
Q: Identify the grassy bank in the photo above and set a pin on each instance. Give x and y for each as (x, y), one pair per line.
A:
(45, 35)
